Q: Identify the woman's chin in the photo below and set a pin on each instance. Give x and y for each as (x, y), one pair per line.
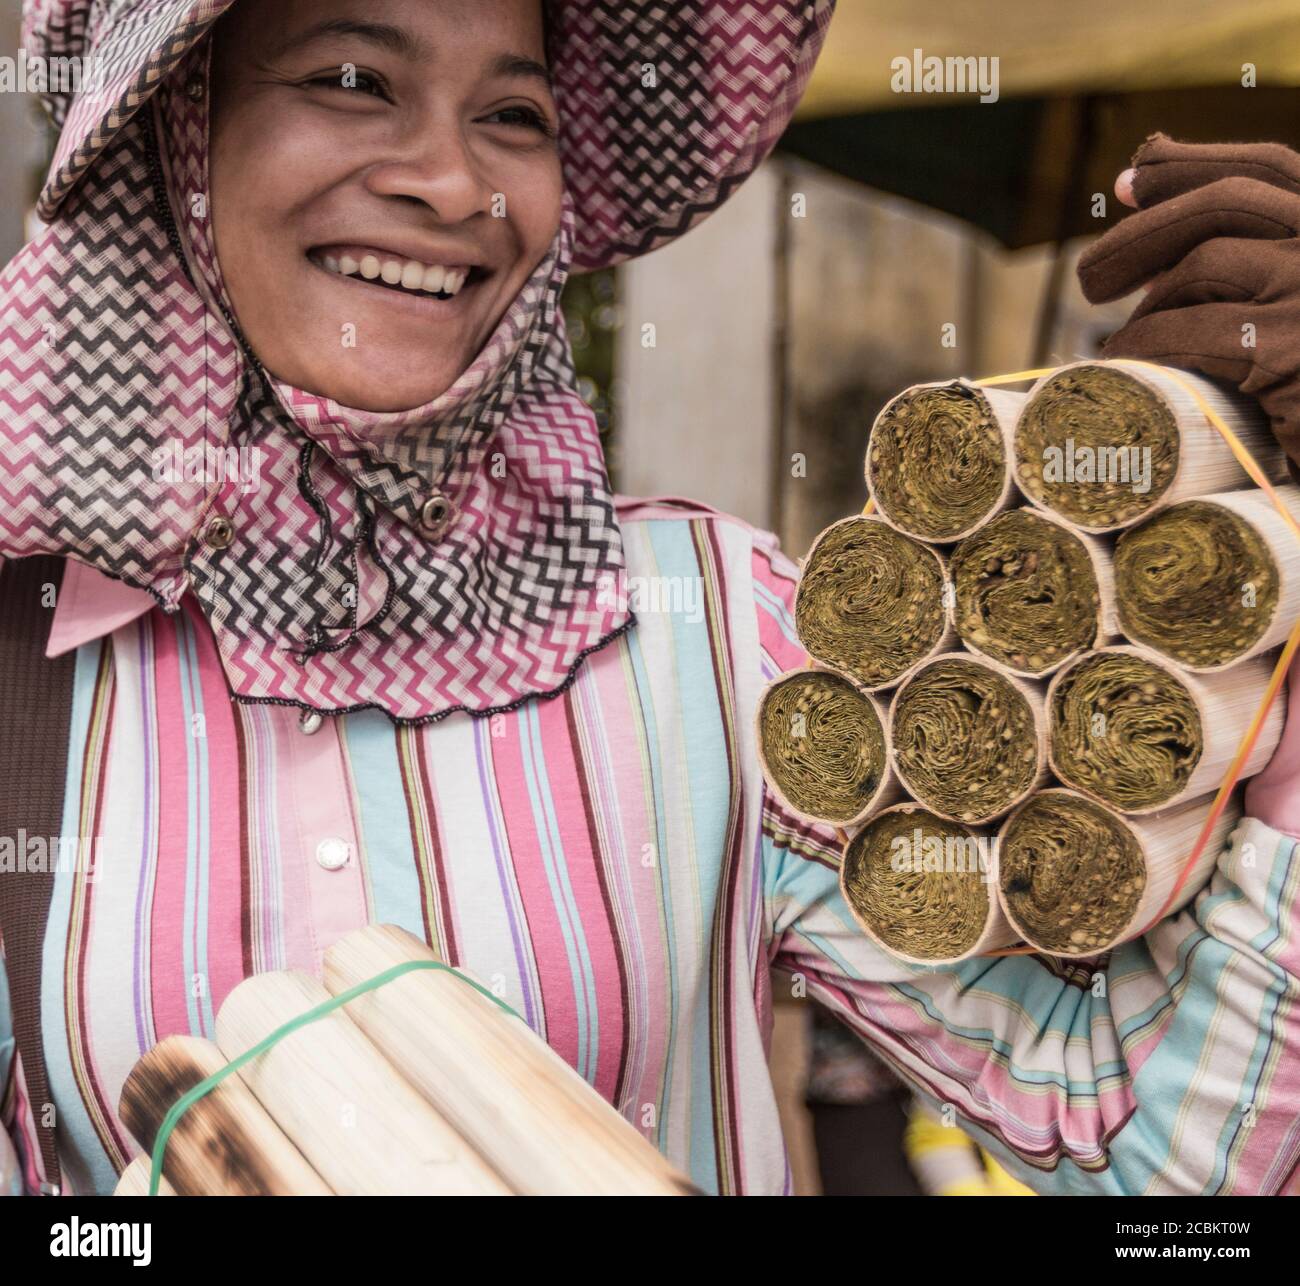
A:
(378, 387)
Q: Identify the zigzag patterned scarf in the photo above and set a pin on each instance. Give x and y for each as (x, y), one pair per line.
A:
(469, 562)
(461, 556)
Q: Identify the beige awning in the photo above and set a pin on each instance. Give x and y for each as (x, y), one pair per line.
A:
(1054, 47)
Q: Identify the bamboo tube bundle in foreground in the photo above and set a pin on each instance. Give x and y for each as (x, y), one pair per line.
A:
(1130, 729)
(134, 1181)
(1076, 878)
(824, 747)
(939, 459)
(968, 740)
(227, 1144)
(1029, 593)
(870, 602)
(535, 1119)
(352, 1114)
(423, 1085)
(1213, 581)
(1104, 444)
(922, 887)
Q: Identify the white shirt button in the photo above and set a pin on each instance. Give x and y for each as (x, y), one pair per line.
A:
(309, 721)
(333, 853)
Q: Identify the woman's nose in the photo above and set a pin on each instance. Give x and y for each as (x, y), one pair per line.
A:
(437, 168)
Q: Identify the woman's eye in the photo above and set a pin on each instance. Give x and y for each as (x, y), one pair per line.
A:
(357, 82)
(529, 117)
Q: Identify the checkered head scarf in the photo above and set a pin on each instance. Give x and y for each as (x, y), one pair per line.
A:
(463, 555)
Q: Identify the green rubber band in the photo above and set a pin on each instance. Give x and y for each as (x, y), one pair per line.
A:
(326, 1007)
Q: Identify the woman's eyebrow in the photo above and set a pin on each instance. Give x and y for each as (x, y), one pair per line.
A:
(395, 40)
(519, 65)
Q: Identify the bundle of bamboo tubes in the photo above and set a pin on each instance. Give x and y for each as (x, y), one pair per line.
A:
(1050, 642)
(423, 1085)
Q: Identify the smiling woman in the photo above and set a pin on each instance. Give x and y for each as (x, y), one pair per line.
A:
(397, 680)
(386, 167)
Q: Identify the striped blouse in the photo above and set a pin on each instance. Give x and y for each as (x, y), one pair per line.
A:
(610, 862)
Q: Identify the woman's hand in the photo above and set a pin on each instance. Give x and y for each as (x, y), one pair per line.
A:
(1217, 241)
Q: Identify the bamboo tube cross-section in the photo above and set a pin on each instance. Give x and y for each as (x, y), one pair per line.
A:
(823, 745)
(922, 887)
(939, 459)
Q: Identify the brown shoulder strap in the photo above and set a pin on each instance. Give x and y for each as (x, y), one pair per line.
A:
(35, 716)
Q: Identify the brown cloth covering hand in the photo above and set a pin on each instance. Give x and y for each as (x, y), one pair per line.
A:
(1217, 235)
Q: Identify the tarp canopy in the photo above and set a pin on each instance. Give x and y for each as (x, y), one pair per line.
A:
(1053, 47)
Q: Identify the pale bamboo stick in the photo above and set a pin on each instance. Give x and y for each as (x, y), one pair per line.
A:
(939, 458)
(1220, 712)
(1076, 878)
(513, 1098)
(922, 888)
(224, 1144)
(1240, 587)
(991, 750)
(355, 1118)
(823, 746)
(1116, 403)
(870, 602)
(980, 614)
(134, 1180)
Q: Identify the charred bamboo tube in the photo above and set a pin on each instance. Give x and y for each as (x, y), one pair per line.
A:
(1029, 593)
(356, 1119)
(824, 747)
(1105, 444)
(921, 887)
(134, 1180)
(1131, 730)
(512, 1097)
(870, 602)
(969, 741)
(939, 458)
(1075, 878)
(225, 1144)
(1211, 582)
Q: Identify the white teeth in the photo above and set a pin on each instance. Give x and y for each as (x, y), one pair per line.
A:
(410, 274)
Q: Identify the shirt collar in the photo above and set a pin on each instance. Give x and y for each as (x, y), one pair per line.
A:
(91, 605)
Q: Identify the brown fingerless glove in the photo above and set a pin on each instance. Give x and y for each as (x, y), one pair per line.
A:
(1217, 235)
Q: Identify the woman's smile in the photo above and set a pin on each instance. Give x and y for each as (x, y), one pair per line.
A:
(370, 265)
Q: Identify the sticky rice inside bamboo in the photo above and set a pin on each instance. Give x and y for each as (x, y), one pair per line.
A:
(870, 601)
(920, 885)
(966, 739)
(1197, 583)
(937, 462)
(1096, 445)
(1071, 873)
(822, 745)
(1026, 592)
(1125, 729)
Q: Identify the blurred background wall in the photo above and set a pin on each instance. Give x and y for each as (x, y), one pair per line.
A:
(22, 145)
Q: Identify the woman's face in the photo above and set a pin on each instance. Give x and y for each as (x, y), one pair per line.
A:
(385, 178)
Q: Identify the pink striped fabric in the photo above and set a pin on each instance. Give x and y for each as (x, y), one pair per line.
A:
(609, 861)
